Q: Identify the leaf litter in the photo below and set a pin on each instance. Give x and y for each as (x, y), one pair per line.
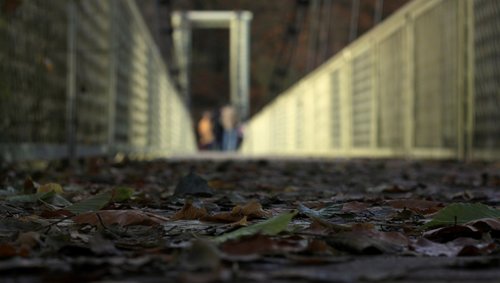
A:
(250, 220)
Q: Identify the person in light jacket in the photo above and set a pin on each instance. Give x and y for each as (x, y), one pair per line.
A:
(229, 121)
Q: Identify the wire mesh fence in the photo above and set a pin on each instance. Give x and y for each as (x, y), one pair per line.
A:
(424, 83)
(486, 99)
(84, 77)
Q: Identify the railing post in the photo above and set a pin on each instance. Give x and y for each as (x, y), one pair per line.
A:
(410, 86)
(112, 79)
(346, 103)
(375, 79)
(182, 47)
(71, 81)
(469, 91)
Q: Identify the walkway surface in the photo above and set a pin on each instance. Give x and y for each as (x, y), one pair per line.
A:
(225, 218)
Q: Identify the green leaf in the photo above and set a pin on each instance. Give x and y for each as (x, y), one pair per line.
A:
(460, 213)
(50, 197)
(122, 194)
(31, 197)
(270, 227)
(91, 204)
(58, 200)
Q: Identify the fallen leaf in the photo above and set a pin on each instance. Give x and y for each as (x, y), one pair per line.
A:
(262, 244)
(28, 239)
(193, 184)
(48, 214)
(242, 222)
(460, 213)
(93, 203)
(201, 255)
(457, 247)
(102, 247)
(119, 217)
(30, 186)
(387, 188)
(430, 248)
(8, 250)
(473, 229)
(325, 212)
(30, 197)
(50, 187)
(364, 240)
(190, 211)
(122, 194)
(354, 207)
(270, 227)
(416, 205)
(219, 184)
(446, 234)
(486, 224)
(319, 247)
(252, 210)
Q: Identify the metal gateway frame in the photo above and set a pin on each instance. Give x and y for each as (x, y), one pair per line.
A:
(238, 23)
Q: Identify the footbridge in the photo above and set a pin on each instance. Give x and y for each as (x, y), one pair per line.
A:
(85, 78)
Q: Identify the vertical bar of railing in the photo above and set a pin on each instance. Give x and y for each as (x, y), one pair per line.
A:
(469, 99)
(461, 78)
(410, 86)
(71, 80)
(374, 50)
(112, 79)
(244, 42)
(346, 104)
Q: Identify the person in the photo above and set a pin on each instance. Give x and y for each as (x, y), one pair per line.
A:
(217, 129)
(205, 131)
(229, 121)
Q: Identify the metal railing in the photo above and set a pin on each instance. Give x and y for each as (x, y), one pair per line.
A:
(84, 77)
(424, 83)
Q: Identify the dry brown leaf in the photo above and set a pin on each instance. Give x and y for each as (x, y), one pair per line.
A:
(29, 239)
(190, 212)
(416, 205)
(219, 184)
(253, 209)
(7, 250)
(369, 242)
(486, 224)
(354, 207)
(223, 217)
(60, 213)
(446, 234)
(242, 222)
(359, 227)
(317, 246)
(119, 217)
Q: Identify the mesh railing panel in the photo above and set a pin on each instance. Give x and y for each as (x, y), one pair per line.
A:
(336, 130)
(33, 72)
(362, 91)
(299, 123)
(487, 74)
(93, 72)
(434, 79)
(392, 79)
(83, 77)
(436, 76)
